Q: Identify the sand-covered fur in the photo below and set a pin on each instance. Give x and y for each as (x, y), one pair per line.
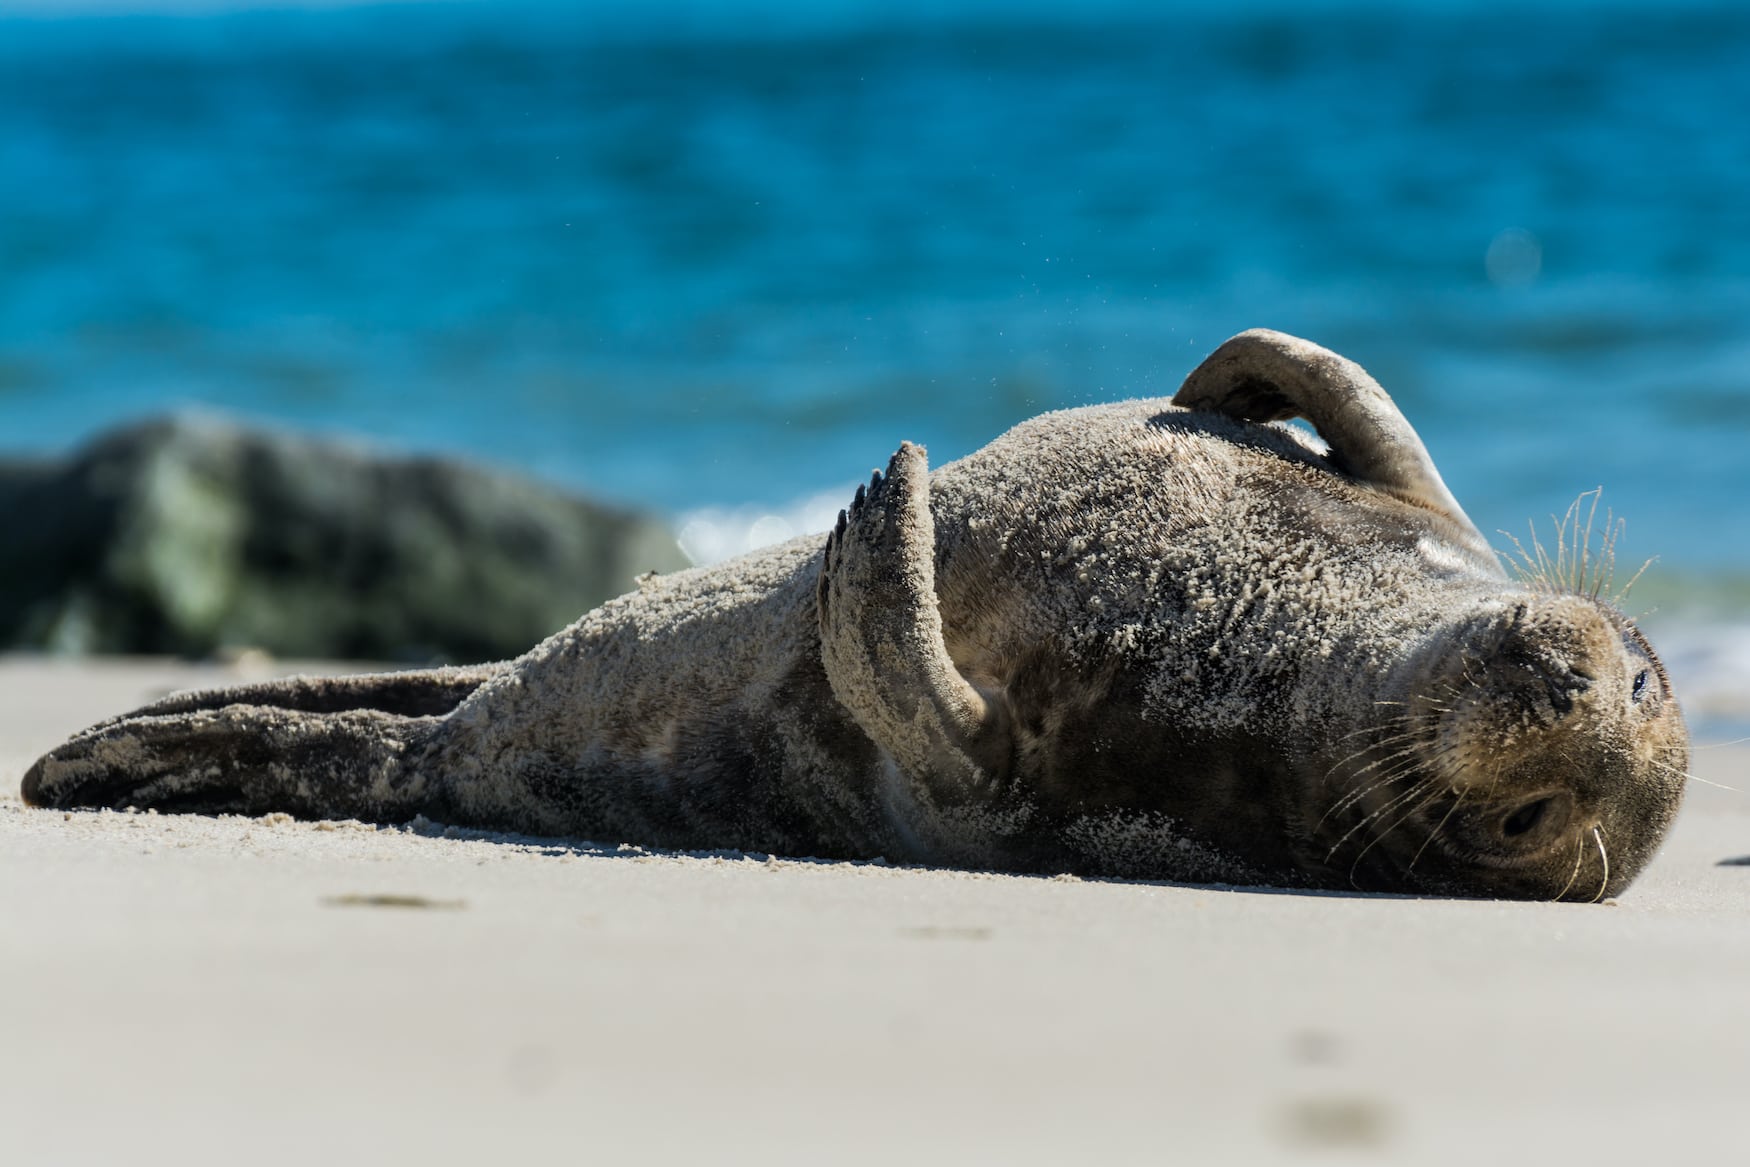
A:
(1136, 639)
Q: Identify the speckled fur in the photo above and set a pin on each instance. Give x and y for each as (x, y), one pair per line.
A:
(1132, 639)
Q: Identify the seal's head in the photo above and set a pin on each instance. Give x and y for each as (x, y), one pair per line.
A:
(1538, 754)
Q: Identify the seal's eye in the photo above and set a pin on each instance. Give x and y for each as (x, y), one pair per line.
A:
(1640, 689)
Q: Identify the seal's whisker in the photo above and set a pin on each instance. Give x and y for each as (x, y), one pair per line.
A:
(1591, 574)
(1389, 770)
(1579, 857)
(1354, 796)
(1392, 723)
(1409, 708)
(1396, 739)
(1445, 688)
(1574, 566)
(1438, 827)
(1383, 835)
(1413, 792)
(1604, 880)
(1394, 767)
(1451, 697)
(1685, 774)
(1584, 559)
(1374, 814)
(1404, 742)
(1621, 593)
(1576, 543)
(1434, 698)
(1533, 567)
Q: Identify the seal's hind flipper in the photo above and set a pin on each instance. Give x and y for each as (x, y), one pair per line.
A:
(317, 747)
(1261, 375)
(881, 639)
(411, 693)
(243, 759)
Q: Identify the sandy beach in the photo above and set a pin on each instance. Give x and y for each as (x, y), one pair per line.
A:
(196, 990)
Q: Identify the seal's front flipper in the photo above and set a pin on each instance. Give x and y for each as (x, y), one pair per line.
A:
(244, 759)
(1262, 375)
(881, 640)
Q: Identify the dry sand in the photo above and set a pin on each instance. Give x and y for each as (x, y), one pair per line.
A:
(194, 990)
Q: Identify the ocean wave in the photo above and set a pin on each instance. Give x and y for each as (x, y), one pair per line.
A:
(713, 534)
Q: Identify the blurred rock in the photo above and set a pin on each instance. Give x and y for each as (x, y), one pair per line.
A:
(193, 536)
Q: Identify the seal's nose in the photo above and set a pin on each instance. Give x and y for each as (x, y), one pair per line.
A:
(1541, 676)
(1564, 684)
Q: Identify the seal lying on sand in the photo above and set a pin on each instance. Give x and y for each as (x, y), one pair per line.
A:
(1151, 639)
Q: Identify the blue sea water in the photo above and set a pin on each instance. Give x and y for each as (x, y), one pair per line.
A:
(720, 259)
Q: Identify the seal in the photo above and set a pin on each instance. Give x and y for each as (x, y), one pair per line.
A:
(1166, 640)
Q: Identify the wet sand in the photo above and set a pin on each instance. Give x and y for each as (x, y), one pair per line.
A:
(195, 990)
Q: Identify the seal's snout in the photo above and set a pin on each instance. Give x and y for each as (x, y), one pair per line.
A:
(1555, 733)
